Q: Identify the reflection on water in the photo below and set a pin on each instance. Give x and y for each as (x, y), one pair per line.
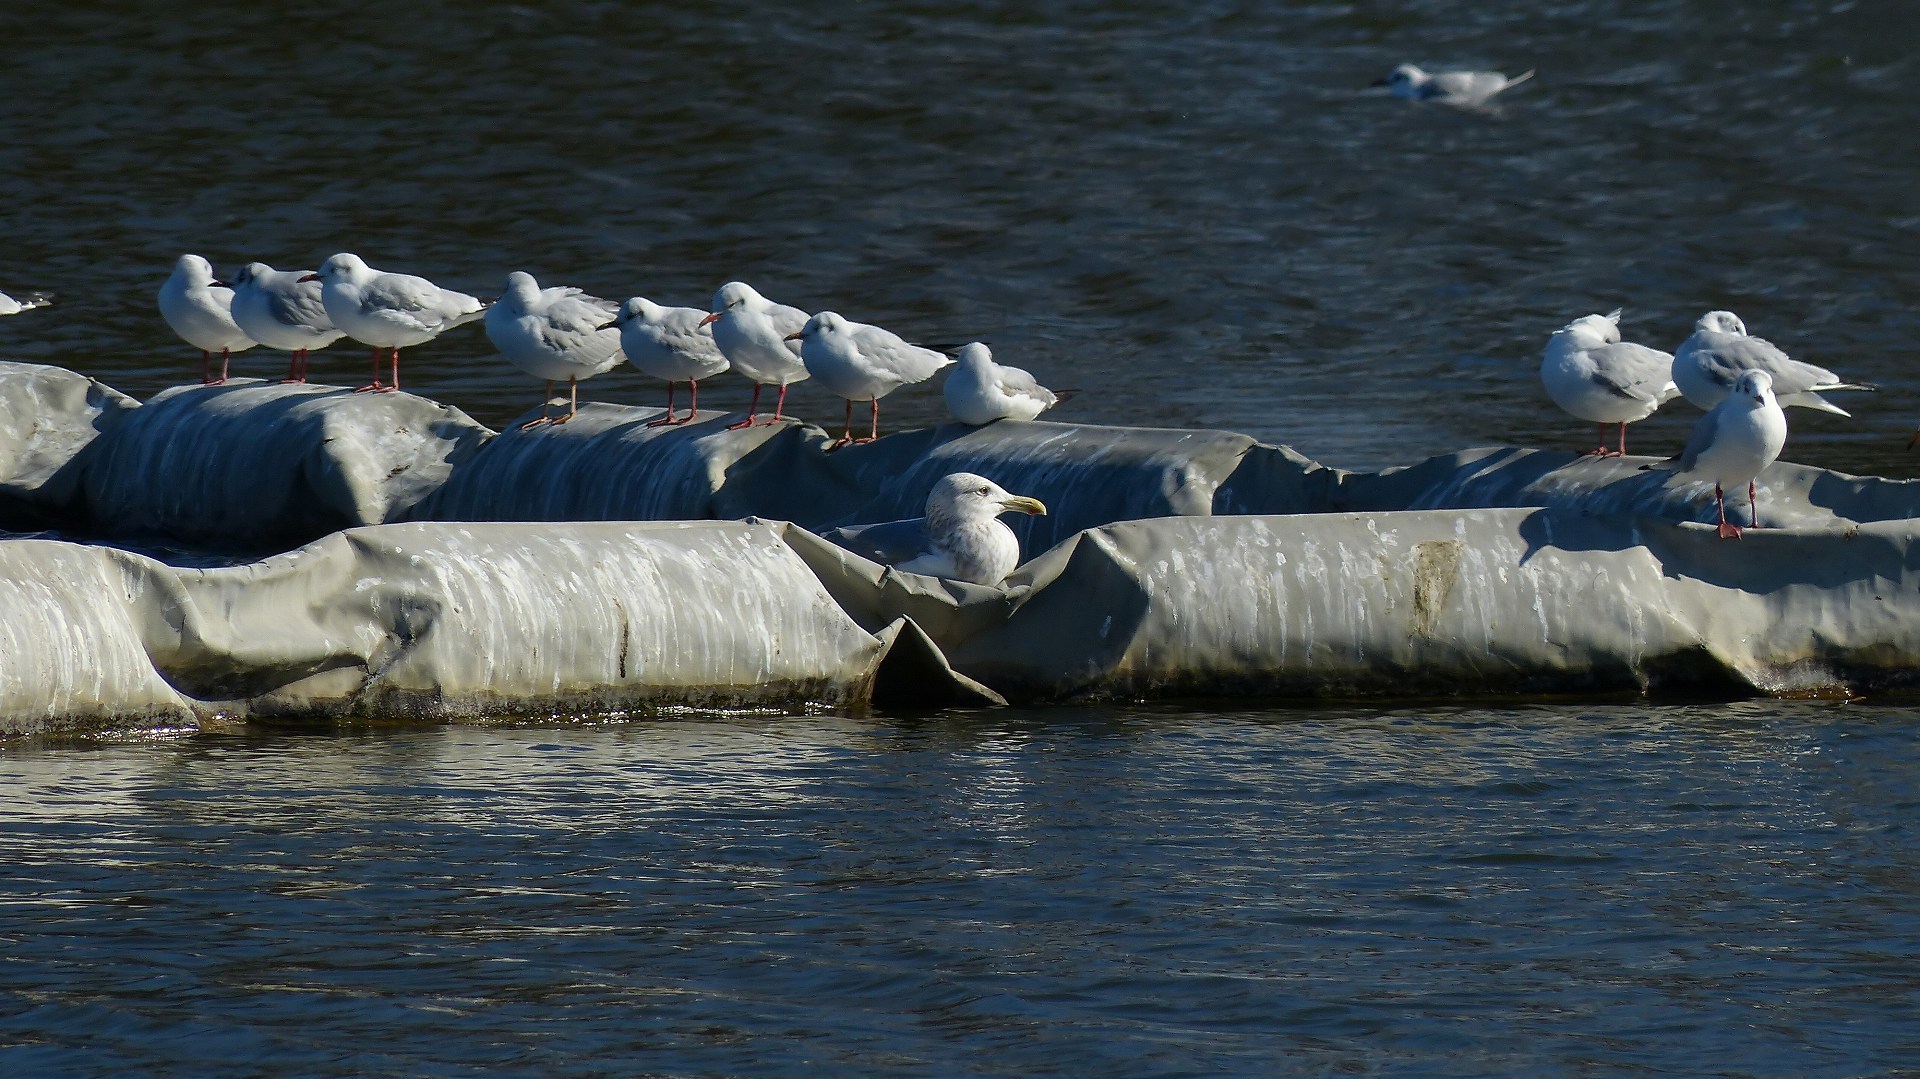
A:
(1152, 890)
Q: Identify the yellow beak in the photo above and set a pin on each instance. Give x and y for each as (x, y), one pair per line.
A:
(1024, 505)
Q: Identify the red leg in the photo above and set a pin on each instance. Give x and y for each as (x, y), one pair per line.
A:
(873, 431)
(751, 409)
(545, 400)
(226, 361)
(376, 384)
(394, 386)
(779, 405)
(294, 374)
(1727, 531)
(1623, 439)
(1600, 450)
(666, 420)
(573, 400)
(206, 368)
(693, 402)
(846, 436)
(1753, 504)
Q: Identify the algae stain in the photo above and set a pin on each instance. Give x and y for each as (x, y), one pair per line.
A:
(1436, 569)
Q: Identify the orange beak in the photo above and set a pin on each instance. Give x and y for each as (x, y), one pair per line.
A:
(715, 317)
(311, 277)
(794, 336)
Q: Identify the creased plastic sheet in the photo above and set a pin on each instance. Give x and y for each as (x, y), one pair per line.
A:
(436, 622)
(48, 415)
(1408, 603)
(1790, 495)
(261, 465)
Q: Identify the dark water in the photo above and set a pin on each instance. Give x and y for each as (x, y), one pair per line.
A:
(1725, 891)
(1193, 214)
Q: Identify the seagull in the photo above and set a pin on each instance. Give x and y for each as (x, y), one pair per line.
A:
(980, 391)
(26, 301)
(755, 335)
(1734, 442)
(1706, 365)
(282, 309)
(862, 363)
(672, 343)
(389, 310)
(1593, 375)
(199, 307)
(960, 538)
(1464, 88)
(553, 333)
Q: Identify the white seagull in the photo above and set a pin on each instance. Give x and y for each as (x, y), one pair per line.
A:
(960, 538)
(1465, 88)
(554, 333)
(1594, 376)
(755, 335)
(980, 391)
(862, 363)
(671, 343)
(282, 309)
(1707, 363)
(199, 307)
(26, 301)
(1732, 444)
(389, 310)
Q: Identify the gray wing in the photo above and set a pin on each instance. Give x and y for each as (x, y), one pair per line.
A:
(1468, 85)
(1729, 354)
(1697, 442)
(889, 544)
(1016, 381)
(298, 305)
(1632, 371)
(574, 311)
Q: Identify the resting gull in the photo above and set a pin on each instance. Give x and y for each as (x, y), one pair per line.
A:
(1732, 444)
(1465, 88)
(755, 335)
(671, 343)
(281, 309)
(553, 333)
(862, 363)
(1593, 375)
(1707, 363)
(980, 391)
(389, 310)
(199, 307)
(960, 538)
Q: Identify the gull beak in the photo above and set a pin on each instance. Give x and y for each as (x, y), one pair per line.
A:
(607, 326)
(794, 336)
(222, 284)
(715, 317)
(311, 277)
(1024, 504)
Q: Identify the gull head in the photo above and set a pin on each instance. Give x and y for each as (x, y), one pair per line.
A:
(252, 271)
(975, 355)
(1404, 81)
(963, 496)
(522, 289)
(1721, 322)
(823, 324)
(195, 271)
(730, 297)
(344, 266)
(636, 309)
(1592, 331)
(1755, 386)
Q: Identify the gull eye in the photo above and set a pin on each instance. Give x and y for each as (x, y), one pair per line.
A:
(983, 490)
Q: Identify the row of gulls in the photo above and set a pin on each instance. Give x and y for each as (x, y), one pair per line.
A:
(1743, 381)
(564, 334)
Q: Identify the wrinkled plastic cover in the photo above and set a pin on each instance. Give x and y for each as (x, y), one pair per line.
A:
(435, 621)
